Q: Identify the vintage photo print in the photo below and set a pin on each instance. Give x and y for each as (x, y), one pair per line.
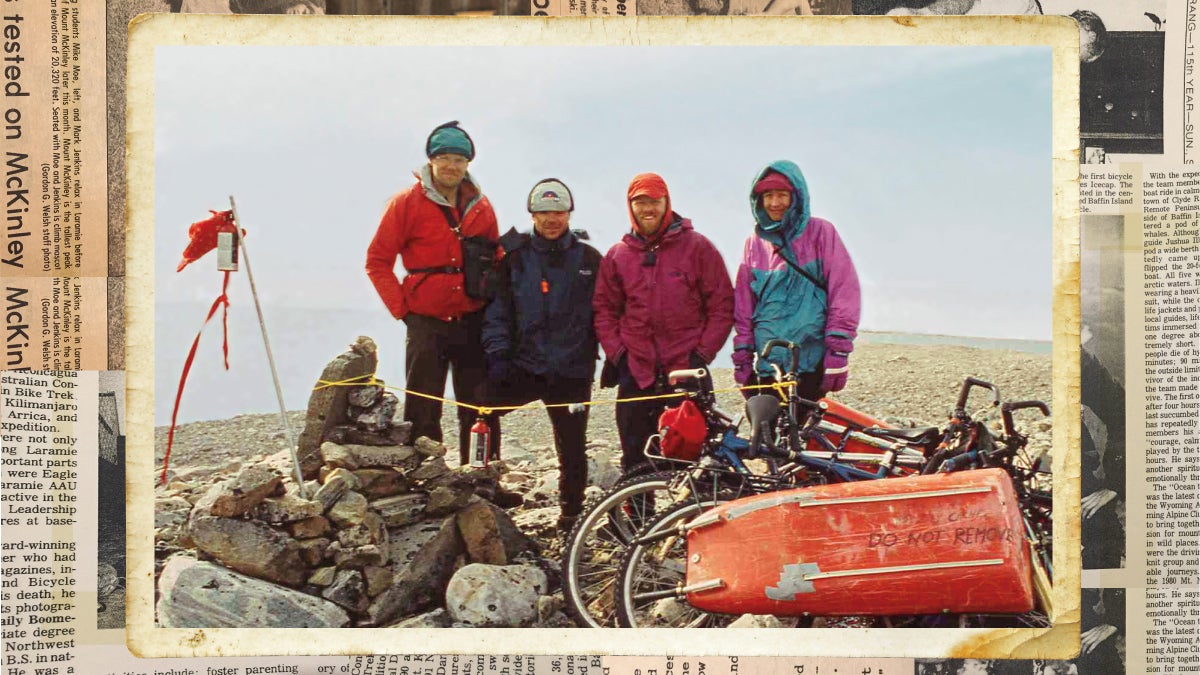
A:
(559, 341)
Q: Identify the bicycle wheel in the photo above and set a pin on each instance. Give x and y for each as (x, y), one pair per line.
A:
(650, 570)
(593, 549)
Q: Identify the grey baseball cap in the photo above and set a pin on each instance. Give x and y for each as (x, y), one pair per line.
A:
(550, 194)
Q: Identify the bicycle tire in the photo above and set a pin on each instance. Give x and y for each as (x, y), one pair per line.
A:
(592, 550)
(658, 566)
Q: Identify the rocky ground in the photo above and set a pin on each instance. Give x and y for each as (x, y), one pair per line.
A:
(901, 385)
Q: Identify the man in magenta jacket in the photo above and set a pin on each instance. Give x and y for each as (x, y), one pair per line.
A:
(663, 301)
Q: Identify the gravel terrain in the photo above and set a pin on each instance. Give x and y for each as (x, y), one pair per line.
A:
(904, 385)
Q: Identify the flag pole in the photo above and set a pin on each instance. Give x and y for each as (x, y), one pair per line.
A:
(297, 475)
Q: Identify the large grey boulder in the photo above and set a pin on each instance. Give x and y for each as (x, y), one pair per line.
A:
(423, 557)
(250, 547)
(491, 595)
(195, 594)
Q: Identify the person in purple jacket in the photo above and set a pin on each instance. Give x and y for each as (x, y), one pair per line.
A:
(796, 283)
(663, 301)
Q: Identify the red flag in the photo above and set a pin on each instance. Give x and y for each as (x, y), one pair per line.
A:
(203, 236)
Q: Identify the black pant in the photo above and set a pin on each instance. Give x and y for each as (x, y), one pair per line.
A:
(570, 428)
(637, 421)
(433, 347)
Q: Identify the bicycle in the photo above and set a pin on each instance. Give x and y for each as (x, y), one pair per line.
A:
(592, 549)
(653, 570)
(797, 421)
(1031, 479)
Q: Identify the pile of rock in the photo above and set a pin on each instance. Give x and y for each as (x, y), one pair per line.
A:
(381, 533)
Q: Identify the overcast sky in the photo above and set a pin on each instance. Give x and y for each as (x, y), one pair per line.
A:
(932, 162)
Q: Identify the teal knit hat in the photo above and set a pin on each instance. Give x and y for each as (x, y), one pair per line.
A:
(449, 139)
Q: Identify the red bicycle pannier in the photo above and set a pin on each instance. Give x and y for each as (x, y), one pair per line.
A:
(683, 431)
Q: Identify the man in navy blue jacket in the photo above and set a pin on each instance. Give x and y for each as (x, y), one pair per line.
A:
(538, 333)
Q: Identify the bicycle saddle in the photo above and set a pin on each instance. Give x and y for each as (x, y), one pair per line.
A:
(761, 408)
(916, 436)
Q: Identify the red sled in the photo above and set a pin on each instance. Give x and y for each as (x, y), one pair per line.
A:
(843, 414)
(841, 424)
(944, 543)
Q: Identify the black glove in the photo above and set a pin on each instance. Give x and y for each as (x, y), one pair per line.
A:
(610, 374)
(696, 361)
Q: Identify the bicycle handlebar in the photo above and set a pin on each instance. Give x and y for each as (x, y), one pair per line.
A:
(965, 392)
(1007, 410)
(675, 376)
(791, 346)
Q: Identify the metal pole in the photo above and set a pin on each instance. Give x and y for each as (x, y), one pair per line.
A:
(297, 475)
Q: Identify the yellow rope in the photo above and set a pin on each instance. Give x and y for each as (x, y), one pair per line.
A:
(370, 380)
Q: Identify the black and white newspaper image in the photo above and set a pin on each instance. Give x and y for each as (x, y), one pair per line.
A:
(110, 511)
(1139, 137)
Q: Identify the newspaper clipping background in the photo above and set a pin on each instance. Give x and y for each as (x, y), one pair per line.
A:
(1137, 196)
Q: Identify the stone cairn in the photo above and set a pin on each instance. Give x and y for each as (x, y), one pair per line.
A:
(388, 535)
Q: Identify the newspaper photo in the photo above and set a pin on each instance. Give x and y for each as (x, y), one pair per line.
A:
(370, 523)
(1135, 127)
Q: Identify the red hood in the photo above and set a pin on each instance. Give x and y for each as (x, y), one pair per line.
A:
(653, 186)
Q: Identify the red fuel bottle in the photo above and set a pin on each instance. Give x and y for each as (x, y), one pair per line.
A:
(480, 440)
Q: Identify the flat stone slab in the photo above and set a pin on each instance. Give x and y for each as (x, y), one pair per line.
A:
(401, 509)
(250, 547)
(354, 457)
(196, 594)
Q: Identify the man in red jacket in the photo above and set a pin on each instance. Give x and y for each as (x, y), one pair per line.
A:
(424, 226)
(663, 301)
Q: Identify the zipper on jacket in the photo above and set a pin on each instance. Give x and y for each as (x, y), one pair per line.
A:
(658, 365)
(545, 288)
